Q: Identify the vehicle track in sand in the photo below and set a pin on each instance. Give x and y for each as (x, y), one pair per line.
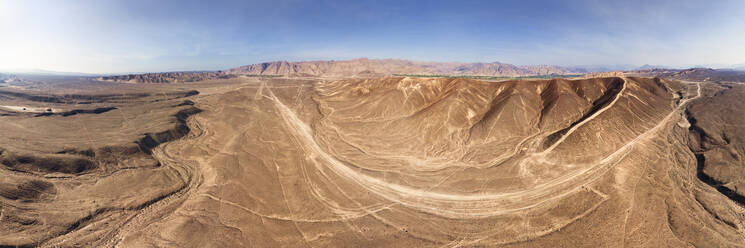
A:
(463, 206)
(469, 205)
(187, 170)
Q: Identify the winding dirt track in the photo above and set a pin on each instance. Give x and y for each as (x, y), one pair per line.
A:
(473, 205)
(469, 210)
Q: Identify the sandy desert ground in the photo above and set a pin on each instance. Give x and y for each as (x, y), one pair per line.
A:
(374, 162)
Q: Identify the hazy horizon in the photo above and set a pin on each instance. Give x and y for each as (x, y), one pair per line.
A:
(145, 36)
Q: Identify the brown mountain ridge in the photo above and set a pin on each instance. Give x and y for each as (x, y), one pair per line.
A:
(364, 67)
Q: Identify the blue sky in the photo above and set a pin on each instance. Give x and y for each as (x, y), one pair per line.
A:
(137, 36)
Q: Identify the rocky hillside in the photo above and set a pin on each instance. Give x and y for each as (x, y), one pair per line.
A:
(167, 77)
(364, 67)
(384, 162)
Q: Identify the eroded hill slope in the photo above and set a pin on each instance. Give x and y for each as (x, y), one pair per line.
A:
(430, 162)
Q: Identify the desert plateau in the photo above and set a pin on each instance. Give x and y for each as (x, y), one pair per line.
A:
(372, 124)
(389, 161)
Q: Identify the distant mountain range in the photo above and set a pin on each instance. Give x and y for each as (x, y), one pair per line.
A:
(379, 67)
(385, 67)
(692, 74)
(374, 67)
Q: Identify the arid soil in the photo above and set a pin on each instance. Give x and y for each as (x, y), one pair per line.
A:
(384, 162)
(717, 138)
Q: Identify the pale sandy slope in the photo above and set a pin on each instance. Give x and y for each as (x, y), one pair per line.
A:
(402, 162)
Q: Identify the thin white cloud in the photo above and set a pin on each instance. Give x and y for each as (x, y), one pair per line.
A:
(98, 37)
